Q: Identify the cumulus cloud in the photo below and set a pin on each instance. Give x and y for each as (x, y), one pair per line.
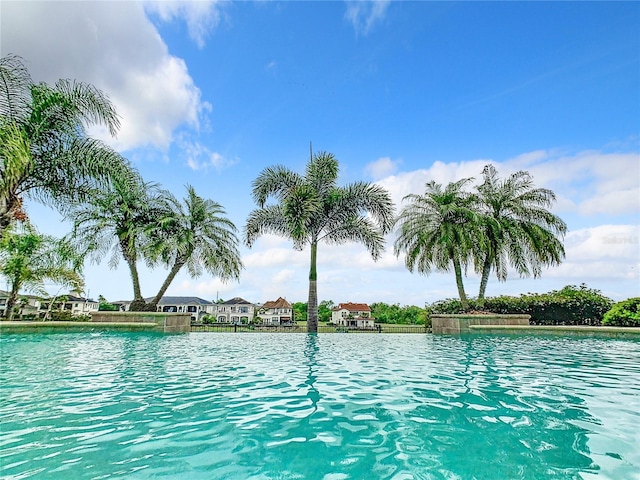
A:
(383, 167)
(587, 183)
(364, 15)
(199, 157)
(201, 16)
(115, 47)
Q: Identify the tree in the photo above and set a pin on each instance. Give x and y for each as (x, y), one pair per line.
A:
(118, 221)
(312, 208)
(198, 235)
(28, 259)
(45, 152)
(518, 229)
(324, 310)
(299, 311)
(439, 230)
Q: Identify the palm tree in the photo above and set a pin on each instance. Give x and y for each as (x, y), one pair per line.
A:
(518, 229)
(28, 259)
(312, 209)
(45, 152)
(118, 222)
(195, 234)
(439, 230)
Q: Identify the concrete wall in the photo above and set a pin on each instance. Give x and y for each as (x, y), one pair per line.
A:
(457, 324)
(165, 322)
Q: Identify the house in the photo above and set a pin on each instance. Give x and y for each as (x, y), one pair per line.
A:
(237, 310)
(78, 305)
(352, 315)
(278, 312)
(28, 305)
(196, 306)
(31, 305)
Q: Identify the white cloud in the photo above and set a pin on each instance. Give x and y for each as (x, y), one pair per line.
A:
(364, 14)
(199, 157)
(115, 47)
(587, 183)
(383, 167)
(201, 16)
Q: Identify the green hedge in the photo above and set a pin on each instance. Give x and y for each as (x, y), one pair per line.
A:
(624, 314)
(569, 306)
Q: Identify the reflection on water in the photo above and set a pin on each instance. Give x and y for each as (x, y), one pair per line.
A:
(331, 406)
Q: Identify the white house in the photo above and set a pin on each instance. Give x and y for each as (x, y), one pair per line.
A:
(237, 310)
(28, 304)
(33, 305)
(352, 315)
(278, 312)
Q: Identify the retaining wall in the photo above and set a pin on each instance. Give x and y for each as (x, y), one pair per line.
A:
(456, 324)
(165, 322)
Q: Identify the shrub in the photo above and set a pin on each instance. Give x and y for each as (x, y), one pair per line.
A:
(66, 316)
(107, 307)
(569, 306)
(624, 314)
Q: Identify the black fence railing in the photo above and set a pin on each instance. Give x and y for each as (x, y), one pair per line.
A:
(295, 328)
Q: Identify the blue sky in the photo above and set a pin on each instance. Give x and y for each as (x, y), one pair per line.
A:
(402, 93)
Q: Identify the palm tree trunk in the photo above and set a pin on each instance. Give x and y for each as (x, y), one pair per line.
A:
(11, 301)
(172, 274)
(138, 303)
(486, 270)
(312, 303)
(463, 296)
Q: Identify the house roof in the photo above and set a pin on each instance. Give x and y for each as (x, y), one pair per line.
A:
(73, 298)
(180, 301)
(352, 307)
(235, 301)
(279, 303)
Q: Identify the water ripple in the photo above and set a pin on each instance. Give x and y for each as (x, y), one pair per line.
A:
(329, 407)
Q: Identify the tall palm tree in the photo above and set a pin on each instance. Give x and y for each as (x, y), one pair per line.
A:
(45, 152)
(518, 229)
(28, 259)
(195, 234)
(118, 221)
(312, 208)
(439, 230)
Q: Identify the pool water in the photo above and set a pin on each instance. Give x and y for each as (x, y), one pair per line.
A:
(329, 406)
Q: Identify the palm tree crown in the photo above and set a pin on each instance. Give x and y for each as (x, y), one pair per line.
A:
(28, 259)
(45, 152)
(117, 221)
(198, 235)
(313, 208)
(439, 230)
(518, 229)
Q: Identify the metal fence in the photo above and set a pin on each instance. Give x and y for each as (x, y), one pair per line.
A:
(379, 328)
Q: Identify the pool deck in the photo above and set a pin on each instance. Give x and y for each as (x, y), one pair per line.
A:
(555, 329)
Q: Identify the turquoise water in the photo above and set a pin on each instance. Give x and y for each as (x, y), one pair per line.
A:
(331, 407)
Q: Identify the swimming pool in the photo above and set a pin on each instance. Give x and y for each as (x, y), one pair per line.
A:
(330, 406)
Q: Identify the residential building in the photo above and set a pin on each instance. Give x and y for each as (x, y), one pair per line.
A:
(352, 315)
(79, 305)
(196, 306)
(278, 312)
(33, 306)
(29, 305)
(237, 311)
